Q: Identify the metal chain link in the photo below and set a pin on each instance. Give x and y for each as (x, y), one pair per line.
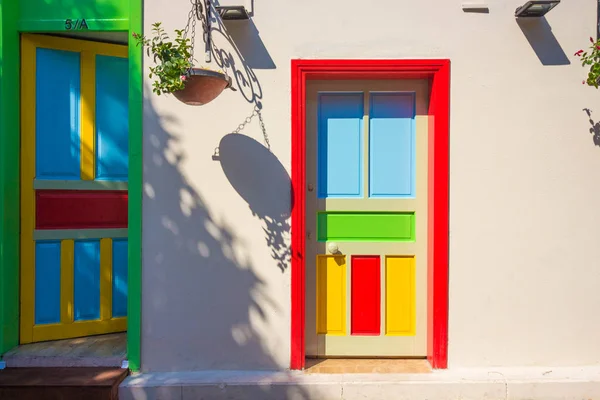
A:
(197, 13)
(255, 112)
(262, 127)
(192, 16)
(246, 121)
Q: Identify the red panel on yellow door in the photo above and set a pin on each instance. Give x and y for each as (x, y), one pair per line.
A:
(366, 295)
(71, 209)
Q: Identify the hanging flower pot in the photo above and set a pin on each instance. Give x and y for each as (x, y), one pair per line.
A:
(202, 86)
(174, 71)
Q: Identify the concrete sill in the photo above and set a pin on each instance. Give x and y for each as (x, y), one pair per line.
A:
(477, 384)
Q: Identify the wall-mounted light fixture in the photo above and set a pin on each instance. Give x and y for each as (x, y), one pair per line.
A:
(232, 12)
(535, 8)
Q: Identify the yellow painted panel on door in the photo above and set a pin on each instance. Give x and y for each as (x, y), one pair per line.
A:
(399, 295)
(106, 257)
(67, 262)
(88, 109)
(331, 295)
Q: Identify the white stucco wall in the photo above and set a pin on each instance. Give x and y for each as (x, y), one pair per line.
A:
(524, 187)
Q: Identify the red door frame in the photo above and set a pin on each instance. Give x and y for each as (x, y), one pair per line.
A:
(438, 71)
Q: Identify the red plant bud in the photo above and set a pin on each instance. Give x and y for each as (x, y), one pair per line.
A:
(591, 40)
(578, 53)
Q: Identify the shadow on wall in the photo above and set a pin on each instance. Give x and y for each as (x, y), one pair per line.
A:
(541, 39)
(247, 41)
(594, 127)
(260, 179)
(247, 52)
(253, 171)
(205, 298)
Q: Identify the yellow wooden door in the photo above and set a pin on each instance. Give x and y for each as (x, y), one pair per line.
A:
(74, 168)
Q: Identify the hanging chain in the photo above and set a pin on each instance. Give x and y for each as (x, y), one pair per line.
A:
(197, 13)
(261, 122)
(192, 16)
(246, 121)
(262, 127)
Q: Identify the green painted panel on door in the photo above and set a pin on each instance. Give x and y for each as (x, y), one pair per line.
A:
(366, 226)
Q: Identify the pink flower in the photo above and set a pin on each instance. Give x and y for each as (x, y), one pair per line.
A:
(583, 82)
(579, 53)
(183, 77)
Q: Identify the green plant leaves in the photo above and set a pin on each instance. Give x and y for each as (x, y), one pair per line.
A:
(591, 58)
(172, 59)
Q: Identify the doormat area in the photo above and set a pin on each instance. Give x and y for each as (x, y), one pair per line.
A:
(365, 366)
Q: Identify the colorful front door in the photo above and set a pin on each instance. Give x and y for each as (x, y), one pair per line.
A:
(366, 218)
(74, 169)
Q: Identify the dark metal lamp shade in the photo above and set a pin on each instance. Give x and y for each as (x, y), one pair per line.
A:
(536, 8)
(232, 12)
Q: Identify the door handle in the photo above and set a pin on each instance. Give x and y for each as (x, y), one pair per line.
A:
(333, 247)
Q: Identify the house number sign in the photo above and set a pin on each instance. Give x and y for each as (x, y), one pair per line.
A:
(76, 24)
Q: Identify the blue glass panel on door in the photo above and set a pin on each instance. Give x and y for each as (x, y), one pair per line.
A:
(119, 278)
(392, 145)
(340, 145)
(47, 282)
(87, 280)
(112, 118)
(57, 115)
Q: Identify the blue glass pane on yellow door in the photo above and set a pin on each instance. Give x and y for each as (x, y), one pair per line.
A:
(87, 280)
(392, 145)
(47, 282)
(339, 152)
(119, 277)
(112, 118)
(57, 111)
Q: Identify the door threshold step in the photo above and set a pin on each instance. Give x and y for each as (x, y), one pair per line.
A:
(108, 350)
(89, 383)
(365, 366)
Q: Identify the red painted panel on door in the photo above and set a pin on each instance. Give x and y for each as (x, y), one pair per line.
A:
(79, 209)
(366, 295)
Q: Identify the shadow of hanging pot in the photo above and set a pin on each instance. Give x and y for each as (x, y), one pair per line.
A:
(202, 86)
(257, 176)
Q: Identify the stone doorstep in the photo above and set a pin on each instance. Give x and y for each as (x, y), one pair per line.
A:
(464, 384)
(90, 383)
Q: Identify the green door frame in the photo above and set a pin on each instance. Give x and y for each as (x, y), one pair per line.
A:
(10, 31)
